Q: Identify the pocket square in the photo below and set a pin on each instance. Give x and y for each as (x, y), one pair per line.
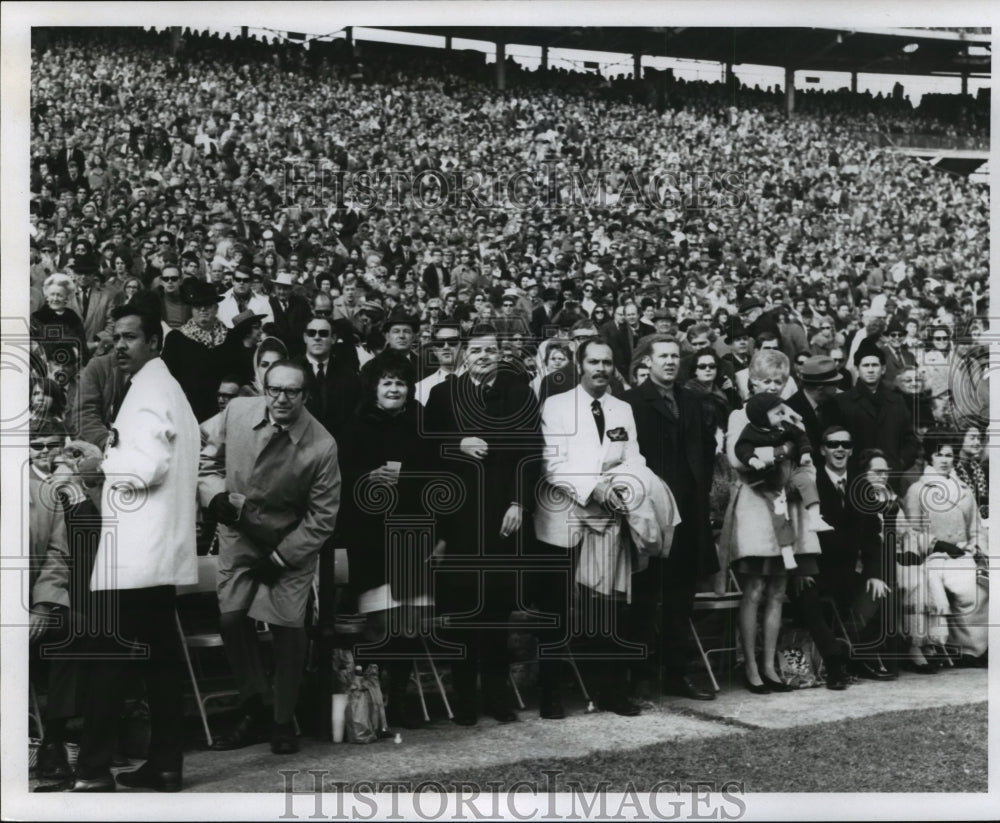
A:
(618, 434)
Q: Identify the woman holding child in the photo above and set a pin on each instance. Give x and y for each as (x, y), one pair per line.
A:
(762, 561)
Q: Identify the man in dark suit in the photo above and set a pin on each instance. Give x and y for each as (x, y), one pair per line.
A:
(487, 428)
(845, 550)
(876, 416)
(623, 336)
(435, 276)
(291, 313)
(680, 449)
(897, 355)
(541, 317)
(820, 378)
(334, 370)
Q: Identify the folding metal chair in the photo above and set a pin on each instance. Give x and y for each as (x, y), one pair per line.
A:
(712, 602)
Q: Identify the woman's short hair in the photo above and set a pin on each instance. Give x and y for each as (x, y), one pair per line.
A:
(59, 279)
(769, 364)
(387, 363)
(554, 347)
(867, 456)
(937, 439)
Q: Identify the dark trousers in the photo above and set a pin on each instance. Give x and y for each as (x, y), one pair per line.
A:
(550, 589)
(142, 636)
(55, 661)
(806, 604)
(672, 585)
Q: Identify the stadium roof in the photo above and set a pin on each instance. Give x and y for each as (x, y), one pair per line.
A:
(869, 50)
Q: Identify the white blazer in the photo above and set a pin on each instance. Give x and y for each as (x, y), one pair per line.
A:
(258, 305)
(150, 485)
(576, 461)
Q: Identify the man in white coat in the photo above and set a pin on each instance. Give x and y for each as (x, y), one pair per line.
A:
(591, 444)
(149, 475)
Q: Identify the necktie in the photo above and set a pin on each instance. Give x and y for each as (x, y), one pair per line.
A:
(86, 300)
(842, 488)
(671, 402)
(595, 407)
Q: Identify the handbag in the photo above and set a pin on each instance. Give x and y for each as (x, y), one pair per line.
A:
(799, 662)
(365, 718)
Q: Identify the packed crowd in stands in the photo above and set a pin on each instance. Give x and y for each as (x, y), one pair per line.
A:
(777, 328)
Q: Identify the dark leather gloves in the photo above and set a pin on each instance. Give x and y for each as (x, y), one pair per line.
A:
(948, 548)
(224, 511)
(265, 571)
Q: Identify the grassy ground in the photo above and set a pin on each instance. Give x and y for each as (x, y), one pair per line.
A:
(938, 750)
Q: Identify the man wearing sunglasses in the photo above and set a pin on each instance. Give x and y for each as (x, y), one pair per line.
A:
(446, 342)
(271, 450)
(241, 298)
(897, 354)
(332, 367)
(819, 377)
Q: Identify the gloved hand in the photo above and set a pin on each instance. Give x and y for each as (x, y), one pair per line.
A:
(948, 548)
(908, 558)
(265, 571)
(224, 511)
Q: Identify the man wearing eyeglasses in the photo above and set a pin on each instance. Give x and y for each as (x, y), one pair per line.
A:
(241, 298)
(271, 450)
(897, 355)
(819, 378)
(446, 341)
(333, 370)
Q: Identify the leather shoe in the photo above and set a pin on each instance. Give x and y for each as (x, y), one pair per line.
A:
(778, 686)
(872, 672)
(283, 739)
(503, 714)
(147, 777)
(753, 688)
(685, 687)
(551, 708)
(247, 732)
(622, 705)
(52, 763)
(465, 717)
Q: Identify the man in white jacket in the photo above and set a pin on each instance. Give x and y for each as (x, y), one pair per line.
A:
(592, 454)
(149, 475)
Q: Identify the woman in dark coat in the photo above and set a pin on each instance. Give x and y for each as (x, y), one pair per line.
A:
(55, 325)
(389, 564)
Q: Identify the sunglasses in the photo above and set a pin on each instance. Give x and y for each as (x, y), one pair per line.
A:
(169, 279)
(838, 444)
(896, 334)
(938, 337)
(44, 445)
(705, 366)
(317, 332)
(241, 279)
(450, 342)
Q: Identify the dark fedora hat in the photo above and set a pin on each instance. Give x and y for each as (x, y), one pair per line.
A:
(400, 317)
(819, 370)
(196, 292)
(735, 330)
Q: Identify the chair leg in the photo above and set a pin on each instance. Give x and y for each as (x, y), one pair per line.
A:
(35, 712)
(194, 681)
(517, 692)
(420, 691)
(704, 657)
(579, 678)
(437, 679)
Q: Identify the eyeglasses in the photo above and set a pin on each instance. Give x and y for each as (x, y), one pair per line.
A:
(168, 279)
(274, 392)
(896, 334)
(317, 332)
(838, 444)
(826, 328)
(44, 445)
(241, 279)
(940, 337)
(705, 366)
(450, 342)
